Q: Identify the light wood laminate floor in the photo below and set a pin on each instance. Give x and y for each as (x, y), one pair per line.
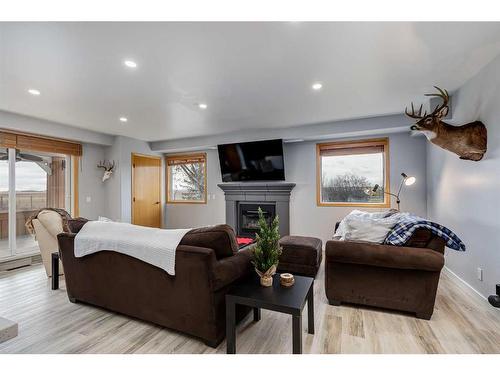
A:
(462, 322)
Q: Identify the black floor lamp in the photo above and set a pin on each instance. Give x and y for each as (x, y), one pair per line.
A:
(406, 180)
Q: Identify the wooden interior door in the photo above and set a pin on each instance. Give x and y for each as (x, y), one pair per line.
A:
(146, 206)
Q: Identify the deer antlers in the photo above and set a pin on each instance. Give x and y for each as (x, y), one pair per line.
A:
(106, 165)
(443, 94)
(417, 115)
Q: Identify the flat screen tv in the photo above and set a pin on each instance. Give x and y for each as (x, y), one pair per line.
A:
(252, 161)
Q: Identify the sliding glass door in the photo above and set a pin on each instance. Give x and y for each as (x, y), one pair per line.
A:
(5, 248)
(30, 181)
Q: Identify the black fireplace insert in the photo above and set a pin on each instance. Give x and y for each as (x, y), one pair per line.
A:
(248, 217)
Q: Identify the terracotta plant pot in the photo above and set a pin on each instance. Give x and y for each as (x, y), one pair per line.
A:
(266, 278)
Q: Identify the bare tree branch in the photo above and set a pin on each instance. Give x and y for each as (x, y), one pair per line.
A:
(192, 180)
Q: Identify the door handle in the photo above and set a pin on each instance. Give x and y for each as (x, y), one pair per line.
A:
(157, 202)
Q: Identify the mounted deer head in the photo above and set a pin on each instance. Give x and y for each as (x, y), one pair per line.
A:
(468, 141)
(108, 167)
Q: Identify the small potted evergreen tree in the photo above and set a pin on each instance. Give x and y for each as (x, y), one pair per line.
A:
(267, 250)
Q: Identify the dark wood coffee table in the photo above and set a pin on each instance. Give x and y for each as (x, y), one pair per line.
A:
(289, 300)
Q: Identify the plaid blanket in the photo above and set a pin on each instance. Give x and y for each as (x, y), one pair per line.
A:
(404, 229)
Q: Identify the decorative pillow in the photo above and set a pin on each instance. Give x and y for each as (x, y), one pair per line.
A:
(369, 229)
(342, 228)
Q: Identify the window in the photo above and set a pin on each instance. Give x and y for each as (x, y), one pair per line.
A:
(187, 179)
(347, 172)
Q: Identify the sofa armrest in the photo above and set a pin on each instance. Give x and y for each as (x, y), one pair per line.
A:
(232, 268)
(219, 237)
(66, 242)
(195, 265)
(388, 256)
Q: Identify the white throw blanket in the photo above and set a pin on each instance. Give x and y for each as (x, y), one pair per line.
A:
(367, 226)
(151, 245)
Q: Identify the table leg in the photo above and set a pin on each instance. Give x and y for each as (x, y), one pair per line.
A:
(310, 310)
(256, 314)
(297, 334)
(230, 326)
(55, 271)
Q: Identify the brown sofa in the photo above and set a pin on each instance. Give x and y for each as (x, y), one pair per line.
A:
(193, 301)
(395, 277)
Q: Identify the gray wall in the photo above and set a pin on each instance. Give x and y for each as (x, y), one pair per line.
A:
(90, 183)
(118, 190)
(112, 190)
(407, 154)
(464, 195)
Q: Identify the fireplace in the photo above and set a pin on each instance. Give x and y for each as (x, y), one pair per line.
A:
(248, 217)
(243, 199)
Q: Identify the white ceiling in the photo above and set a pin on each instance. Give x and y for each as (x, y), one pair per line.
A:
(251, 75)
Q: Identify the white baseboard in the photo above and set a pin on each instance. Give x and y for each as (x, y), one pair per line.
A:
(465, 283)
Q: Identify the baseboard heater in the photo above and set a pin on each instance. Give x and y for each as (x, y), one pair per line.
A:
(8, 329)
(20, 262)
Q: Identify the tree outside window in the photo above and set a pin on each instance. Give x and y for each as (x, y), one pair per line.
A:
(186, 178)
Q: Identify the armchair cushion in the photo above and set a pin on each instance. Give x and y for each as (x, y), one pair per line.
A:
(388, 256)
(52, 221)
(46, 228)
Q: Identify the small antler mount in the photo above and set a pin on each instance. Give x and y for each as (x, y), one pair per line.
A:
(108, 166)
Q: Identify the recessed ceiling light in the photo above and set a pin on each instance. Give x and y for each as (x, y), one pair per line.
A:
(34, 92)
(317, 86)
(202, 106)
(130, 64)
(123, 119)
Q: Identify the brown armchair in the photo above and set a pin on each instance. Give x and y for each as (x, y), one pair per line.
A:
(395, 277)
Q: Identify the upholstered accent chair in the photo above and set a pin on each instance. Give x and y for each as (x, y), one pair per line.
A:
(47, 225)
(393, 277)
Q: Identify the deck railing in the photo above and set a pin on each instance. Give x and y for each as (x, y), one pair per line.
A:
(27, 202)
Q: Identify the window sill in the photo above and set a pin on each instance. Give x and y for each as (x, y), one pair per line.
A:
(186, 202)
(354, 204)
